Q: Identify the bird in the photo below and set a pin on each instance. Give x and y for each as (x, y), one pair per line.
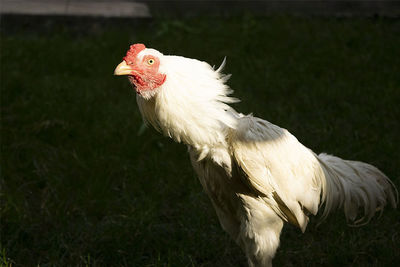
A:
(257, 174)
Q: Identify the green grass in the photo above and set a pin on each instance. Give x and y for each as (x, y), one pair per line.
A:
(81, 187)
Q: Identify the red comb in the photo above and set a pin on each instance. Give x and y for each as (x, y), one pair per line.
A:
(133, 51)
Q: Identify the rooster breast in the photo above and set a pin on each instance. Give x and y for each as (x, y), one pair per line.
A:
(245, 215)
(218, 184)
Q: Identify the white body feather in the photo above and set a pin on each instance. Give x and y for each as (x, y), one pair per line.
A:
(256, 174)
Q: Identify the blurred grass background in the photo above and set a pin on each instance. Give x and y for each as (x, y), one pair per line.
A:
(81, 187)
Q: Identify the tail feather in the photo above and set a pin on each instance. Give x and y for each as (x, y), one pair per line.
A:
(355, 185)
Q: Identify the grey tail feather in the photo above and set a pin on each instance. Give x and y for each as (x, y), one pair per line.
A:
(355, 185)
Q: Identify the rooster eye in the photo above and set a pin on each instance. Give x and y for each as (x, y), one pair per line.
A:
(150, 61)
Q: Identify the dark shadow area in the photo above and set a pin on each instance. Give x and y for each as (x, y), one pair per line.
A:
(267, 8)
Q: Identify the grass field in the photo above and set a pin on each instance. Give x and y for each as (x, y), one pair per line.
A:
(81, 185)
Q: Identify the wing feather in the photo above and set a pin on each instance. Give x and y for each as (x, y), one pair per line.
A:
(277, 166)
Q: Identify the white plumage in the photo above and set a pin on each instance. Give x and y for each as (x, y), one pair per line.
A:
(257, 175)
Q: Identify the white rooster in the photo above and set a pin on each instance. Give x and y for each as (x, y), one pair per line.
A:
(257, 175)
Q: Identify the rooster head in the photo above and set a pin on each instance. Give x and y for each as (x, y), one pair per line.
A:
(142, 65)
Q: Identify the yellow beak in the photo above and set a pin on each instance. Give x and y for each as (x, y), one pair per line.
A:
(123, 69)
